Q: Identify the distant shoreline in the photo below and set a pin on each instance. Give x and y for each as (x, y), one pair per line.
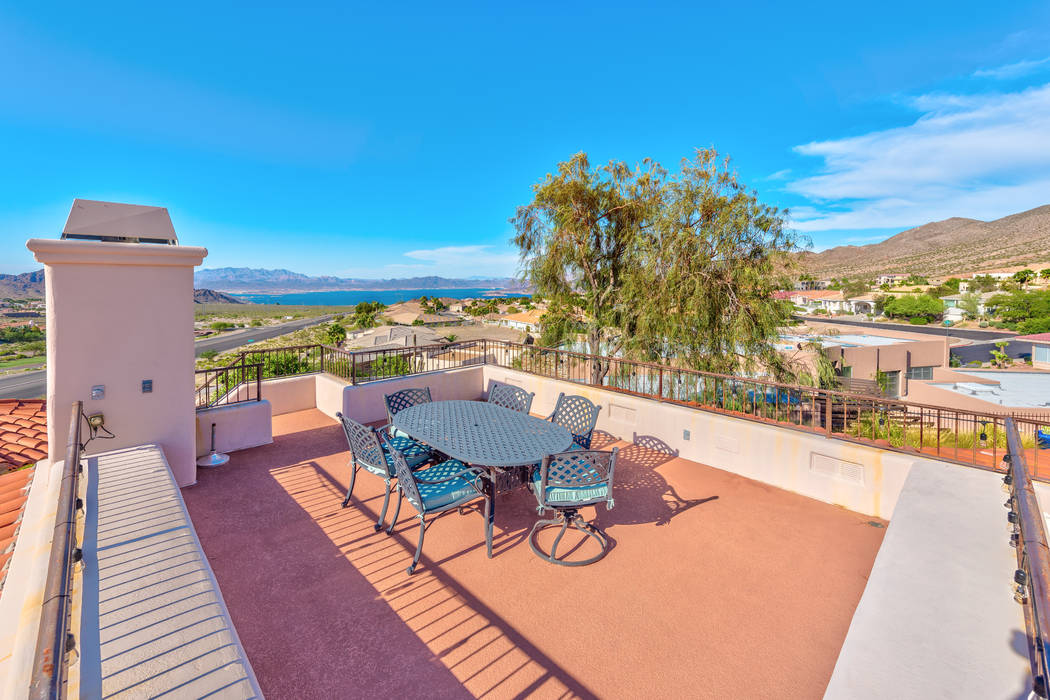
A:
(350, 297)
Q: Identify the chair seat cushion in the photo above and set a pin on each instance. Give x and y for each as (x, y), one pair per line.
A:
(571, 494)
(447, 493)
(413, 451)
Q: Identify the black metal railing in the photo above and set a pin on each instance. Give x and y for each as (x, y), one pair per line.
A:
(237, 383)
(955, 435)
(1032, 577)
(55, 641)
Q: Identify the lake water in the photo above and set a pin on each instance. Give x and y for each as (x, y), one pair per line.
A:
(350, 298)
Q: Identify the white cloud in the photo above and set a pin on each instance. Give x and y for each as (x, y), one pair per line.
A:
(778, 175)
(1013, 70)
(982, 156)
(471, 255)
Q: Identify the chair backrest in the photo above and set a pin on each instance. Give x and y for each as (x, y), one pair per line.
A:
(512, 397)
(364, 443)
(405, 479)
(578, 415)
(400, 400)
(577, 469)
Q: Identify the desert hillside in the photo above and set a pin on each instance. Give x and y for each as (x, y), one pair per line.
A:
(943, 247)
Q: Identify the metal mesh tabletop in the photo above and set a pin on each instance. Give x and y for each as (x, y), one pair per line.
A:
(483, 434)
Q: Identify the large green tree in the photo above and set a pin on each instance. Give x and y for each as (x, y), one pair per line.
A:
(711, 263)
(673, 267)
(579, 240)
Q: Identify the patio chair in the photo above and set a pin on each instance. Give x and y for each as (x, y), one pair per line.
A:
(512, 397)
(399, 401)
(566, 482)
(579, 416)
(368, 453)
(437, 489)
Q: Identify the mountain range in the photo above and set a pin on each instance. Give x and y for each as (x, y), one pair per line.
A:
(952, 246)
(262, 281)
(27, 284)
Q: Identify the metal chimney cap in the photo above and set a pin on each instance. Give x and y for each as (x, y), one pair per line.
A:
(119, 223)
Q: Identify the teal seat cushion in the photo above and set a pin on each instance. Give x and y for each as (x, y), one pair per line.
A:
(413, 451)
(571, 494)
(447, 493)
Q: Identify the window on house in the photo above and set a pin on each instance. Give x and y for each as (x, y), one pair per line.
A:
(892, 383)
(920, 373)
(1040, 353)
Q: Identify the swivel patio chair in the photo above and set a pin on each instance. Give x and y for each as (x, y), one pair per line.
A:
(368, 453)
(566, 482)
(437, 489)
(399, 401)
(512, 397)
(579, 416)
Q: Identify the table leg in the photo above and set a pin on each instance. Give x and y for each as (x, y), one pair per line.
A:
(490, 512)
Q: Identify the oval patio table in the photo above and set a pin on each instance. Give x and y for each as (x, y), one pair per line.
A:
(483, 435)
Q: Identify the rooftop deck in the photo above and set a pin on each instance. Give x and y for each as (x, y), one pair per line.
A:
(716, 585)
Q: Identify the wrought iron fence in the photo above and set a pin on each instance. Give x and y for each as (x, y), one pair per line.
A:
(236, 383)
(55, 641)
(955, 435)
(1032, 577)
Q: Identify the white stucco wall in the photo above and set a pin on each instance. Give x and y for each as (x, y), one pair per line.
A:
(237, 427)
(790, 459)
(290, 394)
(364, 402)
(119, 313)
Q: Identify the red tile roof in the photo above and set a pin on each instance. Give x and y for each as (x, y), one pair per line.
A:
(1044, 337)
(13, 489)
(23, 440)
(23, 432)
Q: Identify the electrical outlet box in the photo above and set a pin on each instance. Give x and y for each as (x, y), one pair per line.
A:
(147, 386)
(685, 434)
(98, 392)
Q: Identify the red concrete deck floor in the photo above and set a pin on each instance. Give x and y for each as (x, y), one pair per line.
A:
(717, 586)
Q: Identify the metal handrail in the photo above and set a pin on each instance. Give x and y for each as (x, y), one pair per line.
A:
(54, 639)
(956, 435)
(1032, 578)
(221, 394)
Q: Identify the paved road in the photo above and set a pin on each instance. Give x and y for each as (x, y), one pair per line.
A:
(33, 385)
(967, 333)
(233, 339)
(23, 385)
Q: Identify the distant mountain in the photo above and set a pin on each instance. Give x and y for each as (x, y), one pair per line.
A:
(261, 281)
(27, 284)
(210, 296)
(951, 246)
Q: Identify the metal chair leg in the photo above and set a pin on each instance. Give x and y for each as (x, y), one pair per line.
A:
(554, 547)
(565, 519)
(350, 490)
(386, 502)
(419, 547)
(397, 512)
(488, 526)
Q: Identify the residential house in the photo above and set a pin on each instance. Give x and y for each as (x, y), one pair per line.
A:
(1040, 349)
(890, 279)
(954, 312)
(829, 301)
(808, 285)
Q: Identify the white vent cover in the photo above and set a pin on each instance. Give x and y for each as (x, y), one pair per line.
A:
(833, 468)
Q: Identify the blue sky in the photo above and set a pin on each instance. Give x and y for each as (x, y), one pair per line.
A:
(389, 140)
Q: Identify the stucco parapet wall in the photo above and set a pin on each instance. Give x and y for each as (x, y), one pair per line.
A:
(58, 252)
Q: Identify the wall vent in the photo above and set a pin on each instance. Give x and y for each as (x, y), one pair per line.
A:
(623, 414)
(833, 468)
(727, 444)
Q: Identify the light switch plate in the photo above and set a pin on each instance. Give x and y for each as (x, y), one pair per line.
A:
(98, 392)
